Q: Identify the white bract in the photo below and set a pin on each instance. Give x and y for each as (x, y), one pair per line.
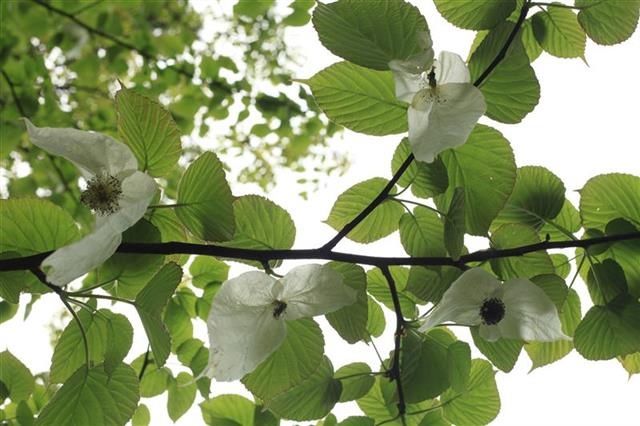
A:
(247, 321)
(116, 191)
(517, 309)
(443, 105)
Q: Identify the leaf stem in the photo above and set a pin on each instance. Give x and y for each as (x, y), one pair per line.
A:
(107, 297)
(85, 342)
(416, 203)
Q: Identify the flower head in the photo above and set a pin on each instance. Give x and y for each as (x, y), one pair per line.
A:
(443, 105)
(517, 309)
(247, 321)
(116, 191)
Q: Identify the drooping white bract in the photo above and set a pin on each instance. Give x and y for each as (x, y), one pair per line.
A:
(517, 309)
(444, 105)
(117, 192)
(247, 318)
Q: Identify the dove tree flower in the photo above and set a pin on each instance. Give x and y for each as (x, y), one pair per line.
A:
(116, 191)
(247, 321)
(443, 105)
(517, 309)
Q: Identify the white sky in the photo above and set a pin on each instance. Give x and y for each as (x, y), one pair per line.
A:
(587, 123)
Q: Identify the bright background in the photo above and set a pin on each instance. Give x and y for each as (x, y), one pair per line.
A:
(587, 123)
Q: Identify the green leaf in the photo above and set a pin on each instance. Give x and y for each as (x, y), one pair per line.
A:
(479, 404)
(151, 302)
(378, 287)
(430, 283)
(311, 399)
(375, 318)
(608, 22)
(382, 221)
(360, 99)
(33, 225)
(608, 197)
(558, 32)
(356, 380)
(205, 270)
(484, 166)
(511, 91)
(193, 354)
(180, 396)
(625, 253)
(206, 201)
(631, 363)
(458, 365)
(16, 381)
(424, 365)
(529, 42)
(543, 353)
(426, 179)
(131, 271)
(422, 233)
(150, 132)
(370, 33)
(475, 14)
(351, 321)
(7, 311)
(606, 281)
(554, 287)
(609, 331)
(261, 224)
(568, 220)
(118, 341)
(538, 196)
(99, 327)
(155, 380)
(291, 364)
(91, 394)
(228, 410)
(141, 417)
(178, 323)
(454, 225)
(562, 264)
(525, 266)
(503, 353)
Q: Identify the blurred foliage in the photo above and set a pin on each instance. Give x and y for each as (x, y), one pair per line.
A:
(223, 71)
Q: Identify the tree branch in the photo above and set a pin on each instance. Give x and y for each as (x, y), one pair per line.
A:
(394, 372)
(28, 262)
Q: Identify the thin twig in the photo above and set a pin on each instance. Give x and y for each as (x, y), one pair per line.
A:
(62, 295)
(394, 372)
(371, 207)
(503, 52)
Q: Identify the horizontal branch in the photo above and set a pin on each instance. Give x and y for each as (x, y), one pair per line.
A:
(28, 262)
